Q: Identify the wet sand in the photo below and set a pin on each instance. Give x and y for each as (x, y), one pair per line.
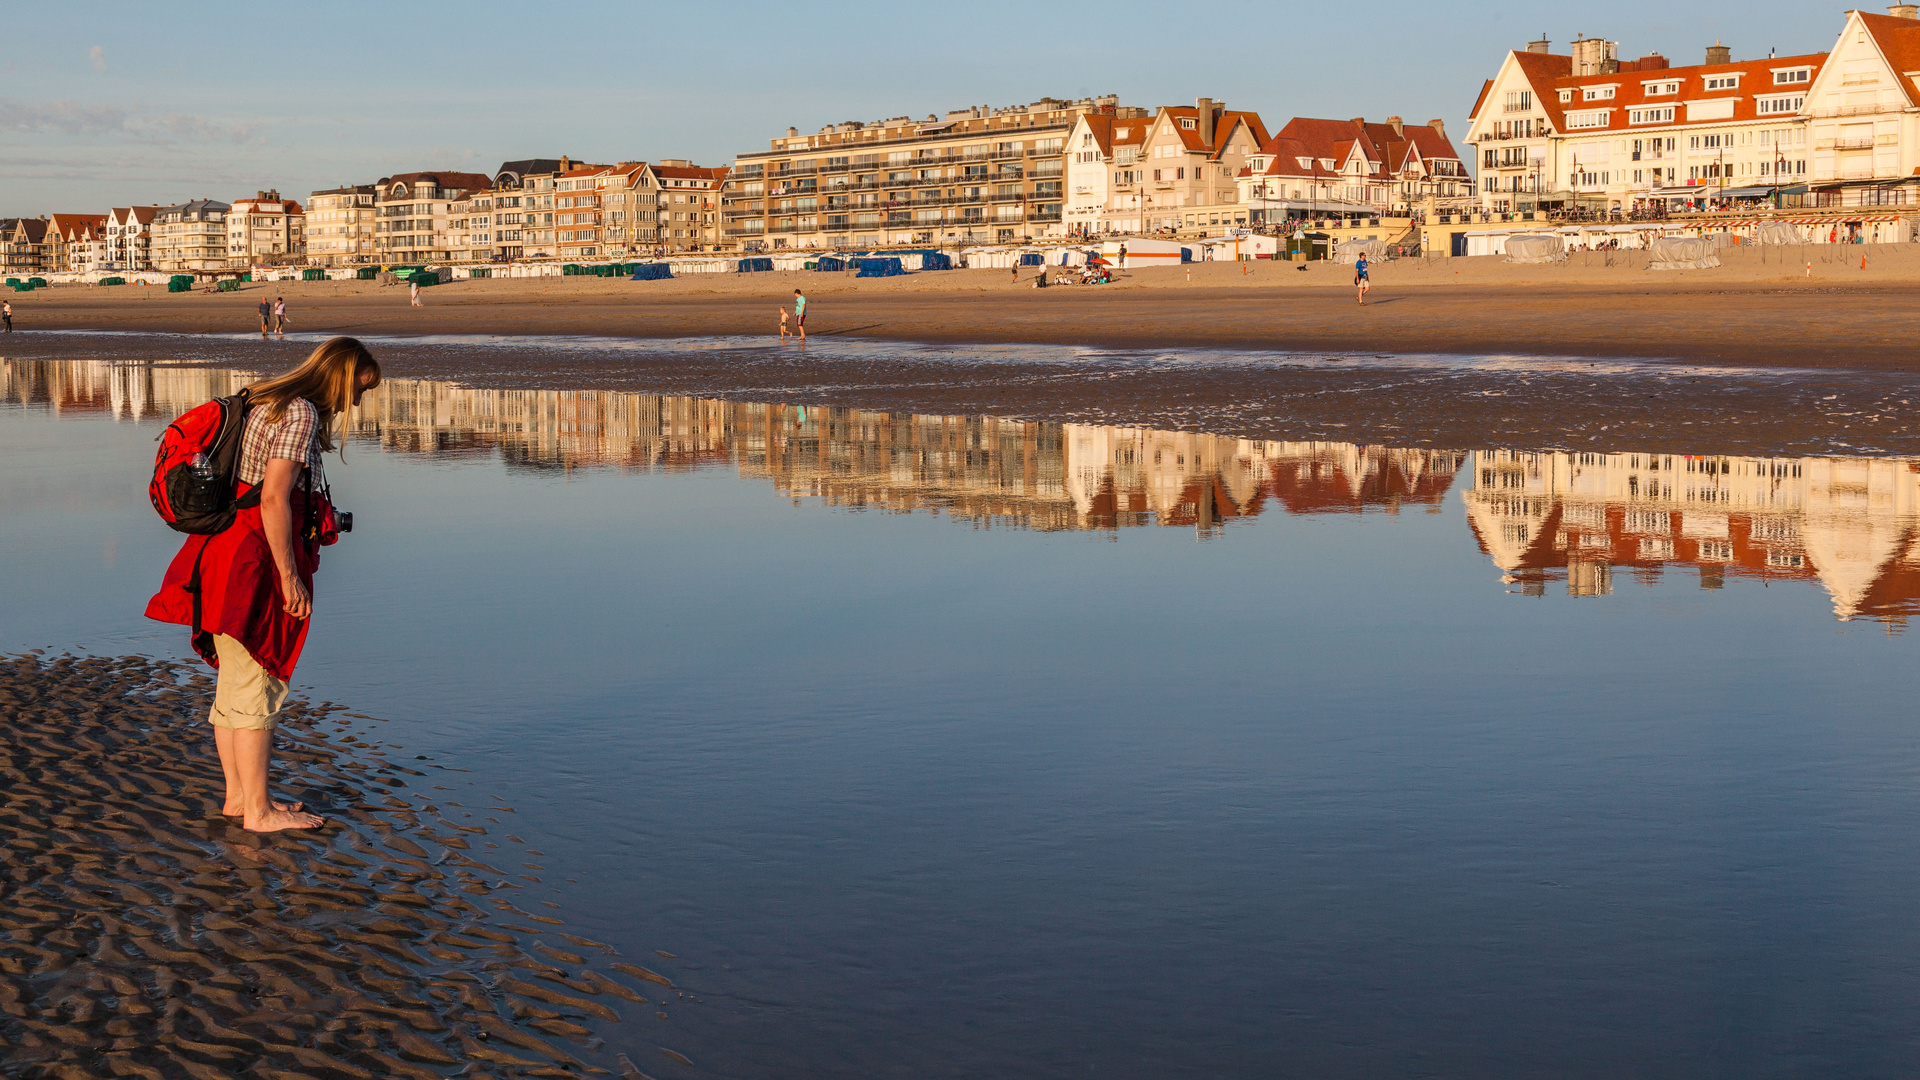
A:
(1761, 309)
(147, 936)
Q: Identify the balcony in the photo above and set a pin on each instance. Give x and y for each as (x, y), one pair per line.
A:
(1866, 143)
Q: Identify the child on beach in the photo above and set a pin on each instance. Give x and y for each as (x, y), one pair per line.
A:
(784, 332)
(413, 294)
(6, 314)
(1360, 277)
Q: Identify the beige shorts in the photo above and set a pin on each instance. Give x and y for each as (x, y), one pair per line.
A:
(246, 698)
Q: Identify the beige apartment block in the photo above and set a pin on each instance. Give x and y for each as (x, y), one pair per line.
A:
(1189, 159)
(70, 241)
(578, 216)
(511, 209)
(191, 236)
(977, 175)
(631, 207)
(413, 214)
(339, 225)
(265, 230)
(689, 205)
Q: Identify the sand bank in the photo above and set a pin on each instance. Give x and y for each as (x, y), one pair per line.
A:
(1760, 309)
(147, 936)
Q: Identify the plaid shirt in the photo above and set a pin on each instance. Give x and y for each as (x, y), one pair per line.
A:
(293, 438)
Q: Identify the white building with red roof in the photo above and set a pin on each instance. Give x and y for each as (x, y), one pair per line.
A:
(1351, 168)
(1864, 131)
(1589, 130)
(1103, 159)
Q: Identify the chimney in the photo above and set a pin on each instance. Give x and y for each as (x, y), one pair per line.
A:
(1439, 126)
(793, 132)
(565, 163)
(1904, 11)
(1399, 128)
(1541, 46)
(1204, 106)
(1595, 56)
(1719, 54)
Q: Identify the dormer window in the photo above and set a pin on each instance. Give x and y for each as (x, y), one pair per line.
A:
(1723, 82)
(1566, 96)
(1792, 76)
(1656, 89)
(1597, 93)
(1305, 162)
(1189, 124)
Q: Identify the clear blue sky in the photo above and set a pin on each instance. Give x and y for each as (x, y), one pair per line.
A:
(110, 104)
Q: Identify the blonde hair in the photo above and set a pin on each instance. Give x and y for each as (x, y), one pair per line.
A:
(327, 379)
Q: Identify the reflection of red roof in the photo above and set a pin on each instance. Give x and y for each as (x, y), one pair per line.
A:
(1324, 486)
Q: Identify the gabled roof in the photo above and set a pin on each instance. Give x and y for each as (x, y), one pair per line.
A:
(1386, 150)
(528, 167)
(1223, 128)
(67, 227)
(1132, 131)
(1899, 42)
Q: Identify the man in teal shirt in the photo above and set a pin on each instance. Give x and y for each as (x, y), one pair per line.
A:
(800, 313)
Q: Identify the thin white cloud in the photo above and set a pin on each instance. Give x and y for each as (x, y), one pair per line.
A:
(98, 57)
(71, 118)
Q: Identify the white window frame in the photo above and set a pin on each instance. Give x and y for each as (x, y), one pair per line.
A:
(1662, 114)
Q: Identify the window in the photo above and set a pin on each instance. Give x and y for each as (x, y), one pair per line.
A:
(1770, 106)
(1650, 116)
(1723, 82)
(1519, 101)
(1596, 118)
(1597, 93)
(1189, 124)
(1656, 89)
(1792, 76)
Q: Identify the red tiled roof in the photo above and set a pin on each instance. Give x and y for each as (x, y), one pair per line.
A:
(690, 172)
(1223, 126)
(1549, 74)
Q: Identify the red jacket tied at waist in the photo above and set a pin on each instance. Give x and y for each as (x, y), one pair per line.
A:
(233, 577)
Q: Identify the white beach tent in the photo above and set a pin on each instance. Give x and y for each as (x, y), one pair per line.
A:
(1349, 251)
(1684, 253)
(1777, 232)
(1536, 248)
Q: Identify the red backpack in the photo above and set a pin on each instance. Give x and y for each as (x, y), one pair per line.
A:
(194, 469)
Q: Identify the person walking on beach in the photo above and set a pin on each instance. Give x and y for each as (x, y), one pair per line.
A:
(1360, 281)
(800, 313)
(784, 332)
(246, 593)
(413, 294)
(266, 318)
(6, 314)
(280, 318)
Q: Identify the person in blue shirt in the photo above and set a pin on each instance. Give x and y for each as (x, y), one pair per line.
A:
(1360, 281)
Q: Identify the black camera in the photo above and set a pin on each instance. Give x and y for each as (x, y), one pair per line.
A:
(343, 520)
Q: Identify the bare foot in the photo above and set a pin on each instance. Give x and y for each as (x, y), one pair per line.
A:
(233, 808)
(275, 820)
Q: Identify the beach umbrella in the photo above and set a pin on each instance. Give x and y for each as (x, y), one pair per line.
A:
(1096, 260)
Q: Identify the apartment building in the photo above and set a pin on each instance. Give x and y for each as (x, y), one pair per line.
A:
(129, 238)
(1863, 130)
(1313, 169)
(413, 213)
(689, 198)
(23, 246)
(71, 241)
(510, 197)
(631, 208)
(191, 236)
(578, 215)
(339, 225)
(980, 174)
(1589, 130)
(265, 230)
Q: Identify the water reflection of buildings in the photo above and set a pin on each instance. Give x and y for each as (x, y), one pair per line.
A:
(121, 391)
(1848, 523)
(986, 470)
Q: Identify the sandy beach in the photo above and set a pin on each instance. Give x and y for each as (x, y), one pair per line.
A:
(1761, 309)
(147, 936)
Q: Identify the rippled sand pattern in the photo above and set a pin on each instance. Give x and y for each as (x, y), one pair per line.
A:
(143, 935)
